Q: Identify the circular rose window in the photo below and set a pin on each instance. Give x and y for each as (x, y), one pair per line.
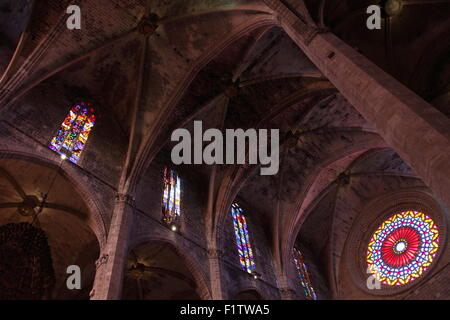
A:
(402, 248)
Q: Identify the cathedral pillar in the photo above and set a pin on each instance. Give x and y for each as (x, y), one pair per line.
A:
(214, 254)
(214, 257)
(286, 292)
(111, 264)
(416, 130)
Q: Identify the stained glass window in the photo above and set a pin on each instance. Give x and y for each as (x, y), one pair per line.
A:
(402, 248)
(303, 274)
(171, 196)
(71, 138)
(242, 239)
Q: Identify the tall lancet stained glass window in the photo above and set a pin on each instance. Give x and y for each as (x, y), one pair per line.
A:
(71, 138)
(242, 239)
(303, 274)
(171, 196)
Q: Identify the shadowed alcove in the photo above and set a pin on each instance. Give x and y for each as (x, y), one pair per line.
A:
(155, 271)
(59, 235)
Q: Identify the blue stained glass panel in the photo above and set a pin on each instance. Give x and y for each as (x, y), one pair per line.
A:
(242, 239)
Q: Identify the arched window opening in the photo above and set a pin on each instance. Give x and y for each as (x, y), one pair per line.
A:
(303, 274)
(71, 138)
(242, 239)
(171, 198)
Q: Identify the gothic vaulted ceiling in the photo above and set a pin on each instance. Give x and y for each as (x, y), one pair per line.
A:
(228, 64)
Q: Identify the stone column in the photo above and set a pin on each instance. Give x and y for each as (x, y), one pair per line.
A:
(288, 294)
(111, 265)
(286, 291)
(417, 131)
(214, 254)
(214, 257)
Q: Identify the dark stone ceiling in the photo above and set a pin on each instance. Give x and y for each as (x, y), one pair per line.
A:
(278, 87)
(416, 51)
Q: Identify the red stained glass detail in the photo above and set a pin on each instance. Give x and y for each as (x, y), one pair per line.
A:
(405, 238)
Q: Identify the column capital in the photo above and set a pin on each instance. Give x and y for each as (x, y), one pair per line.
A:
(102, 260)
(127, 198)
(306, 29)
(287, 293)
(215, 253)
